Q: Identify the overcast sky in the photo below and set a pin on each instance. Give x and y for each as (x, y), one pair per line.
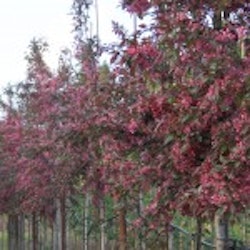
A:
(22, 20)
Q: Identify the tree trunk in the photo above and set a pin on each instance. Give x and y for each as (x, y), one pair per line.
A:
(122, 226)
(198, 234)
(68, 235)
(97, 22)
(102, 221)
(45, 235)
(242, 47)
(16, 229)
(57, 226)
(12, 232)
(34, 232)
(171, 237)
(218, 20)
(85, 222)
(221, 231)
(246, 227)
(63, 223)
(142, 245)
(21, 230)
(29, 222)
(2, 232)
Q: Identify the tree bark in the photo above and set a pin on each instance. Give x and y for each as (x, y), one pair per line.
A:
(21, 230)
(34, 232)
(221, 231)
(122, 226)
(171, 237)
(16, 229)
(218, 20)
(29, 232)
(142, 245)
(12, 232)
(97, 22)
(45, 235)
(198, 234)
(85, 222)
(102, 221)
(63, 223)
(57, 226)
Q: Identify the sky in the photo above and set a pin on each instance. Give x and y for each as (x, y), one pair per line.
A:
(23, 20)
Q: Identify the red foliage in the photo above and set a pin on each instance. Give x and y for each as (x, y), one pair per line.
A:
(136, 6)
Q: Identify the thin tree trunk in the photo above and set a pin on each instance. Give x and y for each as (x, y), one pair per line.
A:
(122, 226)
(242, 47)
(63, 223)
(221, 231)
(21, 230)
(85, 222)
(218, 20)
(102, 221)
(41, 240)
(2, 232)
(68, 238)
(34, 232)
(45, 235)
(171, 238)
(246, 227)
(97, 22)
(135, 27)
(142, 245)
(29, 232)
(57, 235)
(12, 232)
(198, 234)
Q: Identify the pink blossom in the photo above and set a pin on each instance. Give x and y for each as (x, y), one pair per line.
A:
(181, 16)
(241, 32)
(132, 126)
(225, 36)
(152, 207)
(132, 50)
(137, 222)
(218, 199)
(186, 101)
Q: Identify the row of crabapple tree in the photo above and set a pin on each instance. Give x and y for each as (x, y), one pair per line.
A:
(46, 138)
(172, 120)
